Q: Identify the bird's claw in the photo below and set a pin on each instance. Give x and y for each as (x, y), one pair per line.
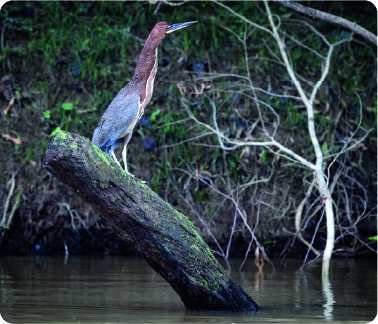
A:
(136, 178)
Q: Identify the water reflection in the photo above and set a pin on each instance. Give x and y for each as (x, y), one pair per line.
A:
(329, 300)
(115, 289)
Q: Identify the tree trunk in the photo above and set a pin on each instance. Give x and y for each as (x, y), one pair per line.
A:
(165, 237)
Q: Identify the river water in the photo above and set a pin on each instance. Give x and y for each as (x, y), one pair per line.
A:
(126, 290)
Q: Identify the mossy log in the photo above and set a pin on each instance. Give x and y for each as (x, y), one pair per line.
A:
(165, 237)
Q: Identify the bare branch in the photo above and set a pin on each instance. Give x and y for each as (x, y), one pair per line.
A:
(243, 18)
(314, 13)
(174, 4)
(298, 215)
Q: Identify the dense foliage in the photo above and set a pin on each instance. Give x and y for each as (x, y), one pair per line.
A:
(67, 60)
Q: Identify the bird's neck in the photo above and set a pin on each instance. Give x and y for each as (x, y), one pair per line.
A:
(147, 60)
(144, 77)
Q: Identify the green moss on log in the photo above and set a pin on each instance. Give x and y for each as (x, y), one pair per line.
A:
(166, 238)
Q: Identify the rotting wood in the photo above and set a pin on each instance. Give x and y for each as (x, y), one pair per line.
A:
(165, 237)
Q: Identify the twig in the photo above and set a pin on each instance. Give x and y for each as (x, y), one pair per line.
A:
(236, 143)
(175, 4)
(312, 241)
(5, 111)
(233, 225)
(314, 259)
(7, 201)
(130, 35)
(243, 18)
(298, 215)
(74, 214)
(221, 252)
(15, 206)
(157, 8)
(253, 236)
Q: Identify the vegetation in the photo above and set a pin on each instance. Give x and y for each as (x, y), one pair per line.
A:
(68, 61)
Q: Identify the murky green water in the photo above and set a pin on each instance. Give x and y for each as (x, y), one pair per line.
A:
(126, 290)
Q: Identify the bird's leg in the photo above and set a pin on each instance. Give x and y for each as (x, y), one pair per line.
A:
(124, 153)
(126, 140)
(115, 159)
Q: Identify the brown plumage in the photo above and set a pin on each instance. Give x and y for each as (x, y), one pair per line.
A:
(127, 107)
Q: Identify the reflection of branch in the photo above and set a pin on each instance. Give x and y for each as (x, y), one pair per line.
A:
(314, 13)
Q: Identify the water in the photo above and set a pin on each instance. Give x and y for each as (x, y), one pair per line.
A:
(126, 290)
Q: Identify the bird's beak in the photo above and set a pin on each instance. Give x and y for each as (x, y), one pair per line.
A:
(179, 26)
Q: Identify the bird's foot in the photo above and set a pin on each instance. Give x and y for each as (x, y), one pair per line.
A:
(115, 159)
(134, 177)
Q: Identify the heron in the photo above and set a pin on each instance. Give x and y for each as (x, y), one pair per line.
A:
(118, 121)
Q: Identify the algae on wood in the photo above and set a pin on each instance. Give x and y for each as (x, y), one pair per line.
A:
(165, 237)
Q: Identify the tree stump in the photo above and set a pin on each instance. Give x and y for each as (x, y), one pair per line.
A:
(165, 237)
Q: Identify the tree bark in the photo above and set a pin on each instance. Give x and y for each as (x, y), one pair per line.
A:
(166, 238)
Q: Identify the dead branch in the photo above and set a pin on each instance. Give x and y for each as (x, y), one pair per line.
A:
(314, 13)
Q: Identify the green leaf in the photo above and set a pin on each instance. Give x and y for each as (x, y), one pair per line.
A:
(55, 131)
(16, 146)
(154, 114)
(269, 242)
(297, 53)
(47, 114)
(67, 106)
(325, 148)
(263, 156)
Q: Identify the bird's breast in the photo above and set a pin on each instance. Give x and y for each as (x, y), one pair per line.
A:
(149, 88)
(130, 128)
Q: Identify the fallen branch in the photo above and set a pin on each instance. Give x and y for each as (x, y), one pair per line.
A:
(16, 141)
(166, 238)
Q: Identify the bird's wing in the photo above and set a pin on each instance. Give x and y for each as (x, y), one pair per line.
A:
(120, 114)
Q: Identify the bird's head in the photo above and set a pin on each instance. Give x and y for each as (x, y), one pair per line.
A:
(165, 27)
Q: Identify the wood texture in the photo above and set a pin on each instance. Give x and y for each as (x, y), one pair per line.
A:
(166, 238)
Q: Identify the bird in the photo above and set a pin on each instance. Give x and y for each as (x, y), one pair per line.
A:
(118, 121)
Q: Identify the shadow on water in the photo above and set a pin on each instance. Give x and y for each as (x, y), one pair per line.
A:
(125, 289)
